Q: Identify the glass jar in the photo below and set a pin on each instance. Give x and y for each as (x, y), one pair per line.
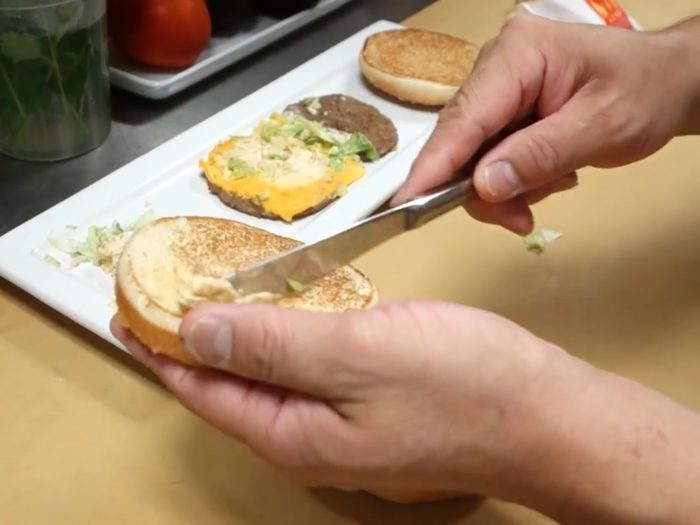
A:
(54, 78)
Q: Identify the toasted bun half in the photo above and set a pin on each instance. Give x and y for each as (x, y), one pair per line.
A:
(417, 66)
(163, 259)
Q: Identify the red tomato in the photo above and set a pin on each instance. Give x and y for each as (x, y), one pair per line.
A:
(159, 33)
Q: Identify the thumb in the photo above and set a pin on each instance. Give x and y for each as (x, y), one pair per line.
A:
(539, 154)
(310, 352)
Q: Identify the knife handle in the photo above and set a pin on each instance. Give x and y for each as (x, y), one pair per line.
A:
(449, 196)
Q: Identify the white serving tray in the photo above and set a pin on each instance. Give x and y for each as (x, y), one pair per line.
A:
(220, 53)
(169, 181)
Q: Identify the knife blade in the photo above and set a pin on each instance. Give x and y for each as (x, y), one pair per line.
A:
(296, 269)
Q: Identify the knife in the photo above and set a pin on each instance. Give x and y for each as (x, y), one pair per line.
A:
(296, 269)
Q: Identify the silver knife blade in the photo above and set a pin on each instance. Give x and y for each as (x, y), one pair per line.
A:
(308, 263)
(303, 266)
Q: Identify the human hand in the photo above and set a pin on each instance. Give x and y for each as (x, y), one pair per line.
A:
(419, 400)
(409, 400)
(568, 96)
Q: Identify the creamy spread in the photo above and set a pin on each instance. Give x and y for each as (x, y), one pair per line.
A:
(284, 161)
(177, 267)
(287, 151)
(178, 286)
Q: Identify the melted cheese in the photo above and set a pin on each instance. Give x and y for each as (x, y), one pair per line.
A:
(284, 176)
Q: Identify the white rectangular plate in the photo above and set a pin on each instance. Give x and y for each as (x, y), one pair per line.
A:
(220, 53)
(169, 181)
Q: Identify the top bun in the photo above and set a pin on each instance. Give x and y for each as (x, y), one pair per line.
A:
(417, 66)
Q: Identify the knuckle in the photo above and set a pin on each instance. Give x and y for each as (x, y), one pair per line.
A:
(486, 52)
(368, 329)
(265, 351)
(181, 383)
(314, 461)
(545, 156)
(516, 22)
(462, 107)
(524, 30)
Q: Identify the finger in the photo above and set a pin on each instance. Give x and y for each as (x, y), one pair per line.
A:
(310, 352)
(239, 407)
(132, 344)
(514, 215)
(498, 91)
(168, 370)
(538, 154)
(566, 183)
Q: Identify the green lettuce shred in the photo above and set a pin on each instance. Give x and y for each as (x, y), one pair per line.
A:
(537, 241)
(85, 250)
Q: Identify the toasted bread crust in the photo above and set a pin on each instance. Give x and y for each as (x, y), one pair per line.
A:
(216, 238)
(250, 207)
(417, 66)
(156, 338)
(421, 54)
(410, 91)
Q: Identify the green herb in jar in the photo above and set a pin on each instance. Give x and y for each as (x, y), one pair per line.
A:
(54, 80)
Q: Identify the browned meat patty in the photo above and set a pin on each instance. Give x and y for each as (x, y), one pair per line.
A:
(348, 114)
(250, 207)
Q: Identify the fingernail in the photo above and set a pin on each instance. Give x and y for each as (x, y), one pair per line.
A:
(209, 341)
(501, 180)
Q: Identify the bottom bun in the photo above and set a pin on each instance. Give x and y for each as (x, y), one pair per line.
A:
(175, 264)
(157, 338)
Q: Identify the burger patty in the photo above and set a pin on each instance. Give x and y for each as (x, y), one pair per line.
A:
(347, 114)
(251, 207)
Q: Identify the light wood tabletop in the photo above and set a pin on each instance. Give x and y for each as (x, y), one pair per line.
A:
(88, 437)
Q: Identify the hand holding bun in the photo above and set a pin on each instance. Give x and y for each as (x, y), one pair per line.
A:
(396, 400)
(175, 264)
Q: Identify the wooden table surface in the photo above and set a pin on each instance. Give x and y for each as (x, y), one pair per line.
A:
(87, 437)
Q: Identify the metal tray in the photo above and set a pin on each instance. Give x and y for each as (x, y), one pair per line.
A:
(221, 53)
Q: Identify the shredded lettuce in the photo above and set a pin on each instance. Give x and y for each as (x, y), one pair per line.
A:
(278, 156)
(536, 242)
(315, 133)
(239, 169)
(50, 259)
(86, 250)
(296, 286)
(336, 163)
(356, 144)
(297, 127)
(313, 104)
